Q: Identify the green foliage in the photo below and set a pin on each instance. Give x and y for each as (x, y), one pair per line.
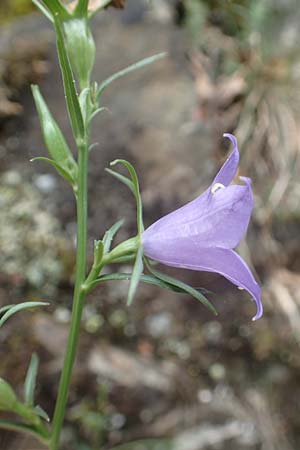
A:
(127, 70)
(8, 398)
(13, 309)
(30, 380)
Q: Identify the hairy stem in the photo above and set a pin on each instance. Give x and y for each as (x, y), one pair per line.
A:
(78, 302)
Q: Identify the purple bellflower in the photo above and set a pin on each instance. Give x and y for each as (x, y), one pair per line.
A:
(202, 234)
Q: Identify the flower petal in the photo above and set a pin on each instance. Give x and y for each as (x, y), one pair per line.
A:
(187, 254)
(220, 220)
(229, 168)
(198, 209)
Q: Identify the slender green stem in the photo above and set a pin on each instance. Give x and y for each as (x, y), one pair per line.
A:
(79, 297)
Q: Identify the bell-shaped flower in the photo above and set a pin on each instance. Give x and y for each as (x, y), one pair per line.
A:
(202, 234)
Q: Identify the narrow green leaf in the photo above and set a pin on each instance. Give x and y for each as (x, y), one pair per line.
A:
(21, 306)
(127, 70)
(136, 191)
(136, 275)
(149, 279)
(110, 234)
(30, 380)
(123, 179)
(60, 169)
(69, 84)
(5, 308)
(183, 287)
(41, 413)
(43, 10)
(56, 7)
(81, 9)
(96, 112)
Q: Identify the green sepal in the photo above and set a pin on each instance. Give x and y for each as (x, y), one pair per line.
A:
(69, 85)
(41, 413)
(80, 46)
(144, 62)
(133, 185)
(98, 253)
(19, 307)
(110, 234)
(8, 398)
(136, 275)
(180, 286)
(63, 159)
(30, 380)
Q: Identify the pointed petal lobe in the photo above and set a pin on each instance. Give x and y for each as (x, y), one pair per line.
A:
(186, 254)
(229, 168)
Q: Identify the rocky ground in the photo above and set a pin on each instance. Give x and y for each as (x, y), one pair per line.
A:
(164, 372)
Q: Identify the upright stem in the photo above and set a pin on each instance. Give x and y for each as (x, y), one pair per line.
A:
(78, 301)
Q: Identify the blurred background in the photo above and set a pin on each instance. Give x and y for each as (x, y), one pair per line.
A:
(163, 374)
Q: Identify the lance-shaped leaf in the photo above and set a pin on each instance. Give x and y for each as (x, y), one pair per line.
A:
(30, 380)
(110, 234)
(136, 275)
(133, 185)
(19, 307)
(69, 84)
(148, 279)
(180, 286)
(129, 69)
(66, 175)
(55, 142)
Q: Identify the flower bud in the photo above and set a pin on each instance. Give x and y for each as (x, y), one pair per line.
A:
(8, 399)
(81, 48)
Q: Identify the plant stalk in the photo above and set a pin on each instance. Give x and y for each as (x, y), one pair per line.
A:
(78, 300)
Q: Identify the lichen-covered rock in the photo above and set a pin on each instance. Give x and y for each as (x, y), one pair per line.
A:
(33, 247)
